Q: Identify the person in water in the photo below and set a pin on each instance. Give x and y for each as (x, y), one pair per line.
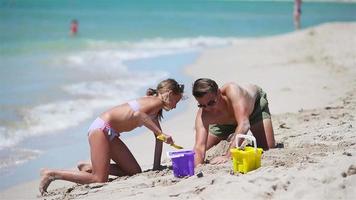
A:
(297, 13)
(104, 137)
(74, 25)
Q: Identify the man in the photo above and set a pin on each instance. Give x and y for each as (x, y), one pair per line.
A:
(228, 111)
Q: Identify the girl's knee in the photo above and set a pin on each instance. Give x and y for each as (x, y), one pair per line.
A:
(136, 170)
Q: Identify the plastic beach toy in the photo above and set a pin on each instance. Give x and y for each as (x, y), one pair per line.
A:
(163, 138)
(182, 162)
(247, 159)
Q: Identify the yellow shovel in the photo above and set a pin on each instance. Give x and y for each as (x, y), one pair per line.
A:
(163, 138)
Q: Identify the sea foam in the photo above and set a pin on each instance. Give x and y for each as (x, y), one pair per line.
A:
(59, 115)
(101, 80)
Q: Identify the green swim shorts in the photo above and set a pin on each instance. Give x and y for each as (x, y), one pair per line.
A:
(260, 112)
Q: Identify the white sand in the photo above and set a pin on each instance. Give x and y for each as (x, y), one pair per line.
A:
(310, 80)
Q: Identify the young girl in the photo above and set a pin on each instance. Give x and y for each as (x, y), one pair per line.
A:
(104, 137)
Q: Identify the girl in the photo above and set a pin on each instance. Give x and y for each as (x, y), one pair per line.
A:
(104, 137)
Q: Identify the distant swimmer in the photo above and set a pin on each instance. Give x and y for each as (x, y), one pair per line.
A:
(74, 27)
(297, 12)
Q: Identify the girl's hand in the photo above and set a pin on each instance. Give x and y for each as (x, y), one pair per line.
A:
(165, 138)
(169, 139)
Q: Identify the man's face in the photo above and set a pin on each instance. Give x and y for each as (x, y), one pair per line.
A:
(208, 101)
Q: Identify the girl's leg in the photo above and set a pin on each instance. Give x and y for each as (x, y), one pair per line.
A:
(100, 159)
(114, 169)
(126, 163)
(263, 131)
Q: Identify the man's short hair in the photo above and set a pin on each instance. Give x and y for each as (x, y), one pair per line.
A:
(203, 86)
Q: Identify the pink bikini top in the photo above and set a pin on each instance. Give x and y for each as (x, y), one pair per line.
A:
(135, 106)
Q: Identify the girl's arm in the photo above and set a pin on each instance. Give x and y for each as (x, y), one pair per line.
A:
(154, 127)
(158, 149)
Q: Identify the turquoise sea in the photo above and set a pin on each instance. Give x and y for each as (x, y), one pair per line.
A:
(52, 85)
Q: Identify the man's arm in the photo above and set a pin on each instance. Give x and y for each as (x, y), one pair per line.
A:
(242, 107)
(201, 137)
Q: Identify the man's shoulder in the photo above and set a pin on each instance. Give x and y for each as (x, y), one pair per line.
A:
(229, 84)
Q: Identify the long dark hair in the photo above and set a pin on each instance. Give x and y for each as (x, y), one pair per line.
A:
(164, 86)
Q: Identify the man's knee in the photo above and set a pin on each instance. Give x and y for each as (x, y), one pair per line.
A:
(269, 145)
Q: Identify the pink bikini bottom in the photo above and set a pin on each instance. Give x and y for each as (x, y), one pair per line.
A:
(103, 126)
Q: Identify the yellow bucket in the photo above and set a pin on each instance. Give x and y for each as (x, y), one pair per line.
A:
(248, 159)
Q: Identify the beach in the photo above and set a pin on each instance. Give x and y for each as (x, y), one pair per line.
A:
(309, 77)
(55, 83)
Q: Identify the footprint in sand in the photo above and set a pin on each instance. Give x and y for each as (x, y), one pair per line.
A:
(283, 125)
(280, 185)
(351, 170)
(212, 182)
(198, 190)
(333, 107)
(347, 154)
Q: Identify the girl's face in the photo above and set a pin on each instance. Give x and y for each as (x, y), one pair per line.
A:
(170, 100)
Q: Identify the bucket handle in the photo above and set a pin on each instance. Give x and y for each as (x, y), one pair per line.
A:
(248, 137)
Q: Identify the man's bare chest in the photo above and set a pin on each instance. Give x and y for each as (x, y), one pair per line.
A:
(223, 118)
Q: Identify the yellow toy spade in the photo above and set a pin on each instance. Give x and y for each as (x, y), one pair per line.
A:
(163, 138)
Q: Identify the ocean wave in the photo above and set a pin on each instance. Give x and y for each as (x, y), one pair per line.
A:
(16, 156)
(62, 114)
(111, 89)
(108, 81)
(162, 43)
(102, 56)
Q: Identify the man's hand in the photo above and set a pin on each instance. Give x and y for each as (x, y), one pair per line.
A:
(220, 160)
